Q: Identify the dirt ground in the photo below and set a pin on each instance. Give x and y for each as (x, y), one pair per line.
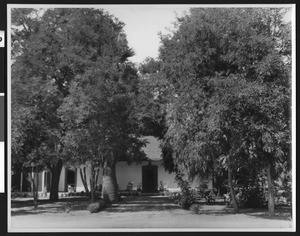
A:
(138, 213)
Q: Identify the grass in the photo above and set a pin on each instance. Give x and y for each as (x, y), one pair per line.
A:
(134, 204)
(139, 212)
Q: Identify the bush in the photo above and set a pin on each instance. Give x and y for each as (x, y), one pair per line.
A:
(21, 194)
(102, 204)
(96, 206)
(187, 196)
(195, 208)
(283, 190)
(251, 197)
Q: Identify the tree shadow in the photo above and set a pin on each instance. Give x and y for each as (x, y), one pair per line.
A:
(143, 203)
(46, 206)
(29, 202)
(139, 204)
(281, 213)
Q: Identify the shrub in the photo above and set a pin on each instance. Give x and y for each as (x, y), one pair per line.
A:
(96, 206)
(187, 196)
(21, 194)
(251, 197)
(102, 204)
(195, 208)
(283, 189)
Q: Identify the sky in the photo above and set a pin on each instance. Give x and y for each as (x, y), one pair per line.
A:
(142, 25)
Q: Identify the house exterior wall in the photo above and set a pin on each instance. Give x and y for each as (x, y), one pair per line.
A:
(133, 173)
(130, 173)
(125, 173)
(62, 180)
(168, 179)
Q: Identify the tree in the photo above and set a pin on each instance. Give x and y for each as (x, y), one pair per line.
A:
(222, 65)
(99, 115)
(103, 127)
(152, 99)
(50, 50)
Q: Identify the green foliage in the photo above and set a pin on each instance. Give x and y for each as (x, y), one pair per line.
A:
(149, 66)
(252, 197)
(55, 48)
(187, 196)
(229, 79)
(284, 188)
(152, 99)
(96, 206)
(229, 76)
(72, 88)
(195, 208)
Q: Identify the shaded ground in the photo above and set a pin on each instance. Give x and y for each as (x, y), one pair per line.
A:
(139, 212)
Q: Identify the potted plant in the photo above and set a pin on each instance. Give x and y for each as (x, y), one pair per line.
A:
(162, 189)
(139, 189)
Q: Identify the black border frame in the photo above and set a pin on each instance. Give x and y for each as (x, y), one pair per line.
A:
(3, 64)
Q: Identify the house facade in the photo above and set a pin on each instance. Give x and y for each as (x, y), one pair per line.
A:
(148, 174)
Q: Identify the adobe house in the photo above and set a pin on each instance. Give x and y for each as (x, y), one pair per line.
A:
(149, 174)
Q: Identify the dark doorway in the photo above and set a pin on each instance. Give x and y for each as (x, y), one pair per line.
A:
(70, 178)
(149, 179)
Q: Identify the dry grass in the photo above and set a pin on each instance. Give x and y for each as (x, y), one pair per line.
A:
(140, 212)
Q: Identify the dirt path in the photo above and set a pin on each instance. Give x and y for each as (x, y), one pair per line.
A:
(153, 213)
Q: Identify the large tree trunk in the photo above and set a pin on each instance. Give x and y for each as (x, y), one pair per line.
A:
(55, 175)
(233, 199)
(271, 204)
(92, 182)
(83, 179)
(110, 187)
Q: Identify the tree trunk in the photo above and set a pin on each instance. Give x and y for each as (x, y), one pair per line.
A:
(34, 186)
(233, 199)
(55, 174)
(110, 187)
(83, 179)
(271, 204)
(92, 182)
(97, 176)
(21, 184)
(213, 180)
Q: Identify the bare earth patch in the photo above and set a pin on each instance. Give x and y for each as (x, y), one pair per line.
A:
(143, 212)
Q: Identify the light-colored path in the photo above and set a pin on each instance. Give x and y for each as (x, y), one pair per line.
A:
(145, 213)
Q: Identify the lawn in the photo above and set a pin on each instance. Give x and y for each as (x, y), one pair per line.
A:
(139, 213)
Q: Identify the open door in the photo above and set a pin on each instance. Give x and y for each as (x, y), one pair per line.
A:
(70, 178)
(149, 179)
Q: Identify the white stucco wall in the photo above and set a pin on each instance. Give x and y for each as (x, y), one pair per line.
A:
(132, 173)
(128, 173)
(62, 180)
(167, 178)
